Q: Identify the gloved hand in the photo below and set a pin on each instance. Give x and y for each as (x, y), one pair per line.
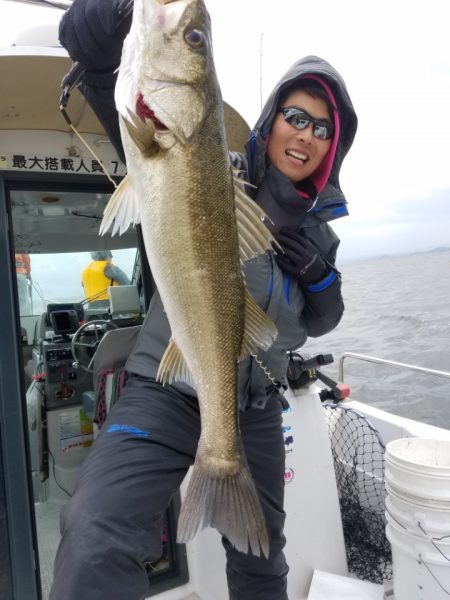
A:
(92, 32)
(299, 257)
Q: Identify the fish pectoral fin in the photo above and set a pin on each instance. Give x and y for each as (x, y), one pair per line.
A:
(173, 367)
(122, 209)
(254, 237)
(259, 332)
(142, 134)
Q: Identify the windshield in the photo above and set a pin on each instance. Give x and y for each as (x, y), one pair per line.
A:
(58, 278)
(60, 258)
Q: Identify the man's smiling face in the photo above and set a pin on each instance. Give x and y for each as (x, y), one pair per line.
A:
(296, 152)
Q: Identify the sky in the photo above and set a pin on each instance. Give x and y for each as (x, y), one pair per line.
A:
(395, 58)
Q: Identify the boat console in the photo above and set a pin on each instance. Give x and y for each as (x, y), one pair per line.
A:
(63, 384)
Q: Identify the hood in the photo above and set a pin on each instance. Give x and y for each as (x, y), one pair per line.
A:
(101, 255)
(326, 178)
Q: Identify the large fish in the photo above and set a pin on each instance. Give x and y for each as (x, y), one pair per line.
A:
(198, 227)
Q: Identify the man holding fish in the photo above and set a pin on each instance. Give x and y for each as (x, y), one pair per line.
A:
(240, 282)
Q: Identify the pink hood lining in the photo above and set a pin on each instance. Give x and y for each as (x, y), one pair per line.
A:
(322, 174)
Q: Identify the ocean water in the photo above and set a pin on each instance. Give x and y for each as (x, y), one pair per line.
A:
(397, 308)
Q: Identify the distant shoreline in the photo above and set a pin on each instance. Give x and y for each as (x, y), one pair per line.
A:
(438, 250)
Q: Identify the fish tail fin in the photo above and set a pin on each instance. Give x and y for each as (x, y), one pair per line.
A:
(229, 504)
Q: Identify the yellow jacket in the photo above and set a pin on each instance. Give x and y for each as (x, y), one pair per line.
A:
(95, 282)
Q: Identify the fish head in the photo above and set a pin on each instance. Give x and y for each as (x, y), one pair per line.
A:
(167, 67)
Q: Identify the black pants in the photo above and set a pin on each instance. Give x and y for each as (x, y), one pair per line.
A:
(111, 527)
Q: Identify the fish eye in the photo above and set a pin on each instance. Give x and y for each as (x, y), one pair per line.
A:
(195, 37)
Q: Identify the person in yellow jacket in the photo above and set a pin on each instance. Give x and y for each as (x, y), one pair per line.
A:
(99, 275)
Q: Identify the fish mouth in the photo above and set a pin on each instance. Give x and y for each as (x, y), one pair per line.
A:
(145, 112)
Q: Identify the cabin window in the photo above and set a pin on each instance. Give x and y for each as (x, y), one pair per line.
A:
(64, 271)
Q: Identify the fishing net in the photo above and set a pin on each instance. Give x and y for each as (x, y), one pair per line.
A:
(358, 453)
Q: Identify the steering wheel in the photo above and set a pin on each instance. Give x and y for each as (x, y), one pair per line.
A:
(83, 352)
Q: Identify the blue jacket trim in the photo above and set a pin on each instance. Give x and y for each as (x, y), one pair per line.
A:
(128, 429)
(270, 286)
(339, 206)
(287, 288)
(339, 210)
(322, 285)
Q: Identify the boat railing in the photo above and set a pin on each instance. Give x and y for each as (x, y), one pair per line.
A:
(390, 363)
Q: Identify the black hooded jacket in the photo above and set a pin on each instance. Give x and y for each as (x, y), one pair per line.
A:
(298, 311)
(278, 196)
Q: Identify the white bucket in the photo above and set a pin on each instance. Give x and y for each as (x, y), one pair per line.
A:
(420, 572)
(420, 467)
(418, 514)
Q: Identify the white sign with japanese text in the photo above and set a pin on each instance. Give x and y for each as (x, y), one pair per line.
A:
(57, 164)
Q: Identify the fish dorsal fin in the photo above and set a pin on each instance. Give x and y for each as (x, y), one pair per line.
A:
(260, 331)
(173, 367)
(122, 209)
(254, 237)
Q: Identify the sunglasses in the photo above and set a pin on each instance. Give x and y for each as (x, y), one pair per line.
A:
(323, 128)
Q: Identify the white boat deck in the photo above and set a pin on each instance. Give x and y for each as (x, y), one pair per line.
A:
(329, 586)
(47, 525)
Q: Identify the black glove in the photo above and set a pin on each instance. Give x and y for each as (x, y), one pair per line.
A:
(299, 257)
(92, 32)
